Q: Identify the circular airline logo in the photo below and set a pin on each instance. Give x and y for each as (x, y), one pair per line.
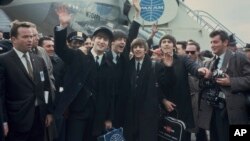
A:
(151, 10)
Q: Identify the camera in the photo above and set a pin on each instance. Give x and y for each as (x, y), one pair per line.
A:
(219, 74)
(211, 92)
(215, 98)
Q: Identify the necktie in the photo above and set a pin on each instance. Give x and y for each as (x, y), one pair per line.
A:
(138, 68)
(117, 59)
(30, 71)
(97, 61)
(216, 62)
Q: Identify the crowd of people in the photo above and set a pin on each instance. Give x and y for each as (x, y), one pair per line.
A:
(74, 87)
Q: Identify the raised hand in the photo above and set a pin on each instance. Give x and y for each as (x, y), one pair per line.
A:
(63, 15)
(137, 6)
(154, 29)
(167, 59)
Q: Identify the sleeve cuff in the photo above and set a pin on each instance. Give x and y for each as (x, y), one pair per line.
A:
(139, 20)
(59, 28)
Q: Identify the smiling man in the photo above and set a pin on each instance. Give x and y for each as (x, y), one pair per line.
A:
(88, 87)
(223, 101)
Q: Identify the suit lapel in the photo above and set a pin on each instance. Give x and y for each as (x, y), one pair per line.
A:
(19, 63)
(226, 60)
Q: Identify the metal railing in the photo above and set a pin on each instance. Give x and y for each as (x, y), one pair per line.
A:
(208, 22)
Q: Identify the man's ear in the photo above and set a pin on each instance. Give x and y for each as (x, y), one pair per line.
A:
(225, 43)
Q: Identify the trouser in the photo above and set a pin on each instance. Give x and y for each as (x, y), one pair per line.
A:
(201, 135)
(79, 125)
(219, 128)
(36, 133)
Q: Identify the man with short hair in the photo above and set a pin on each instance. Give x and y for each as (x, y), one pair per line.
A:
(42, 53)
(48, 44)
(25, 90)
(232, 43)
(88, 88)
(181, 46)
(193, 52)
(222, 96)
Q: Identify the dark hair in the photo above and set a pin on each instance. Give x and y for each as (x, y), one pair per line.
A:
(182, 43)
(223, 34)
(206, 53)
(41, 40)
(139, 42)
(197, 45)
(171, 38)
(117, 33)
(16, 25)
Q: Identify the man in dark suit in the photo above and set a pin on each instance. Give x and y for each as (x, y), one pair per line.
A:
(229, 82)
(26, 90)
(119, 57)
(88, 88)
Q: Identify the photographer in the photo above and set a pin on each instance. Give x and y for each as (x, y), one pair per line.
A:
(223, 101)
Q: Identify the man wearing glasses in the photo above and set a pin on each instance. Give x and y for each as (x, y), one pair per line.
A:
(193, 52)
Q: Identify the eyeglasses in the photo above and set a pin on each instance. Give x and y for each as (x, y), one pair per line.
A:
(191, 52)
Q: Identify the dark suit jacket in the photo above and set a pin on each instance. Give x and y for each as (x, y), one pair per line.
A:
(80, 80)
(19, 91)
(143, 101)
(179, 93)
(121, 76)
(237, 66)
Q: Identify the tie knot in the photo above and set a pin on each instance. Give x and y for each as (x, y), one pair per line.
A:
(97, 58)
(25, 55)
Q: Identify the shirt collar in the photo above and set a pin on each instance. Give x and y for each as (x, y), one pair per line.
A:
(20, 54)
(114, 54)
(94, 55)
(221, 56)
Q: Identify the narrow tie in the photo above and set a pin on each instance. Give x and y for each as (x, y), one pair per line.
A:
(138, 68)
(216, 62)
(117, 59)
(30, 71)
(97, 61)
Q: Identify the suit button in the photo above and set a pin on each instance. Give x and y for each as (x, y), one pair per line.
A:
(79, 84)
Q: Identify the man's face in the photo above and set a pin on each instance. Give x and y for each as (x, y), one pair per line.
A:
(1, 35)
(35, 37)
(75, 44)
(48, 45)
(233, 48)
(167, 46)
(88, 43)
(118, 45)
(218, 46)
(248, 54)
(139, 52)
(180, 50)
(101, 43)
(24, 39)
(191, 51)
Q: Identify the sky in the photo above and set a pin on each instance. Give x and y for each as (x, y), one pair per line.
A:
(234, 14)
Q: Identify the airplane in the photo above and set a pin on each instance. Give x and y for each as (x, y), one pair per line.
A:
(87, 15)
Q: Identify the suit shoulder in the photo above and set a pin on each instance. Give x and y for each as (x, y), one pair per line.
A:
(5, 55)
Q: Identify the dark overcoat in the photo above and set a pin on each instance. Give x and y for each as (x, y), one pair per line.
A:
(77, 80)
(143, 104)
(179, 93)
(121, 75)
